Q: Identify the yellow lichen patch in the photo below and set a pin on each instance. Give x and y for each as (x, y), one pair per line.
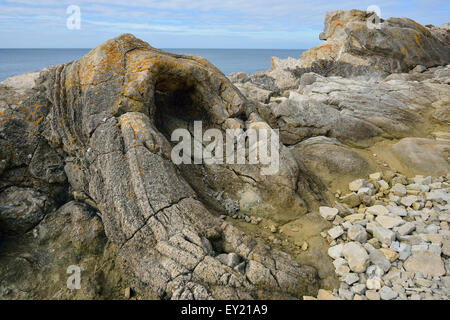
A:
(418, 38)
(404, 51)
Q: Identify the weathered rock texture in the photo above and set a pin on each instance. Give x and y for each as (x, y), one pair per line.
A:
(103, 122)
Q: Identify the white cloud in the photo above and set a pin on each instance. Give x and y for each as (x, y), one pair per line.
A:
(250, 18)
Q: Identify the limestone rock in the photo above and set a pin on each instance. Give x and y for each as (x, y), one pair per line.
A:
(390, 254)
(356, 255)
(104, 123)
(389, 222)
(424, 156)
(335, 232)
(379, 260)
(377, 210)
(357, 233)
(335, 252)
(425, 263)
(325, 295)
(351, 199)
(386, 293)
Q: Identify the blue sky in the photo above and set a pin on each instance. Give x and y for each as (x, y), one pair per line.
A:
(278, 24)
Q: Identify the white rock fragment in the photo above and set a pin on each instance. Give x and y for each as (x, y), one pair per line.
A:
(335, 232)
(383, 235)
(378, 259)
(399, 190)
(406, 228)
(387, 293)
(376, 176)
(389, 222)
(377, 210)
(328, 213)
(397, 210)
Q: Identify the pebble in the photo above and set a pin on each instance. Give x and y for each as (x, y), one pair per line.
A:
(357, 184)
(398, 211)
(356, 255)
(352, 218)
(339, 262)
(377, 258)
(425, 262)
(385, 236)
(127, 293)
(351, 199)
(389, 222)
(350, 278)
(325, 295)
(335, 232)
(359, 288)
(357, 233)
(390, 254)
(335, 252)
(342, 270)
(346, 294)
(328, 213)
(373, 284)
(387, 293)
(405, 251)
(377, 210)
(372, 295)
(376, 176)
(304, 246)
(399, 190)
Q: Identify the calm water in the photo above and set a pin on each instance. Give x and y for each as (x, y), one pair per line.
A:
(17, 61)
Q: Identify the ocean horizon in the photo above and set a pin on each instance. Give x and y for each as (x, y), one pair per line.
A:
(22, 60)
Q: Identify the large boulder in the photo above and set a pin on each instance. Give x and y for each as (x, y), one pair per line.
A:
(359, 44)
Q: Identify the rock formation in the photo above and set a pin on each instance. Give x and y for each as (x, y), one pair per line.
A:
(359, 44)
(100, 124)
(86, 176)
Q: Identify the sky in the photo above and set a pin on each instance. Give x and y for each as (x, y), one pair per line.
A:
(269, 24)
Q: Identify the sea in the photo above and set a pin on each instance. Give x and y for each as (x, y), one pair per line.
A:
(18, 61)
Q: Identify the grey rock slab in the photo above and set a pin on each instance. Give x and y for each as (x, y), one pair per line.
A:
(356, 255)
